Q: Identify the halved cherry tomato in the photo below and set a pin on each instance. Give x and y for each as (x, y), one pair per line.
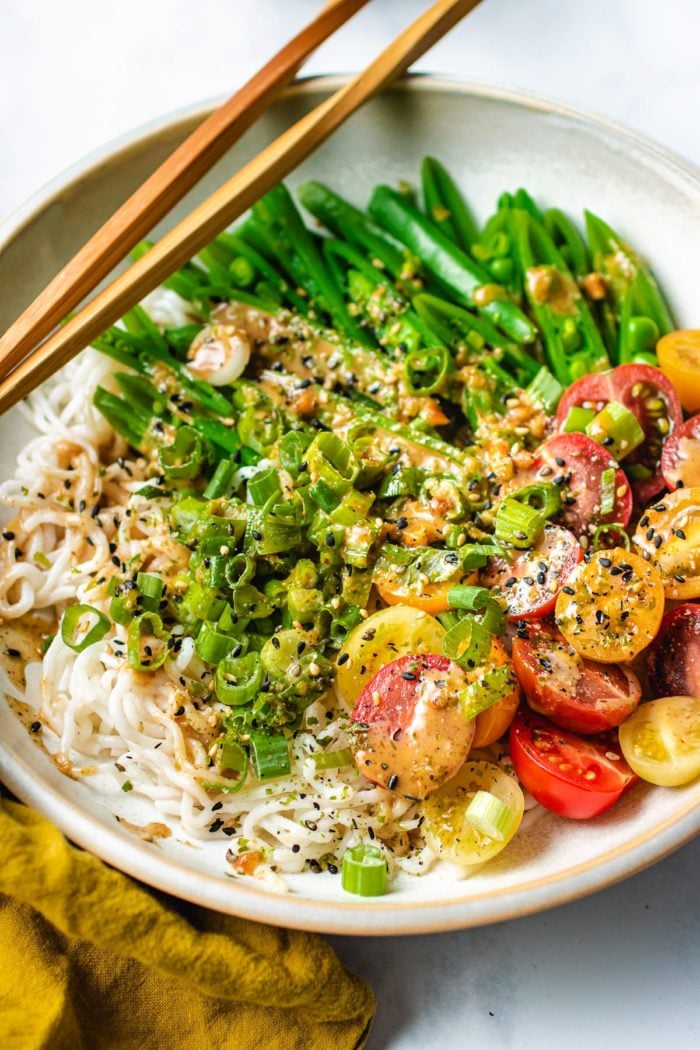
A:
(645, 391)
(661, 741)
(384, 636)
(668, 535)
(492, 723)
(575, 777)
(679, 357)
(577, 694)
(411, 734)
(612, 606)
(680, 459)
(673, 660)
(446, 827)
(575, 463)
(531, 582)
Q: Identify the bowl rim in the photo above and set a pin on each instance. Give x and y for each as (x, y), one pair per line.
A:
(351, 917)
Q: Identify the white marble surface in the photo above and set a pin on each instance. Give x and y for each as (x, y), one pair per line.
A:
(622, 968)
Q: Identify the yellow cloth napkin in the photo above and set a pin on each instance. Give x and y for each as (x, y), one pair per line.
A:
(91, 959)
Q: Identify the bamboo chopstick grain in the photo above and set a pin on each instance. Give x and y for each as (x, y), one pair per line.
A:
(231, 200)
(166, 186)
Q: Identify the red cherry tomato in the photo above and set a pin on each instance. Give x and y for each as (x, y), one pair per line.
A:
(674, 655)
(576, 463)
(532, 580)
(575, 777)
(680, 459)
(577, 694)
(411, 734)
(645, 391)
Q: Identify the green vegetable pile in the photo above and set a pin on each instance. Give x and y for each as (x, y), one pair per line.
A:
(288, 511)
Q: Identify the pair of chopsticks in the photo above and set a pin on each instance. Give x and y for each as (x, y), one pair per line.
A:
(25, 361)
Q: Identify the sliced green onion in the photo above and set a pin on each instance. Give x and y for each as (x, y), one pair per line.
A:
(263, 486)
(578, 419)
(607, 491)
(269, 755)
(231, 757)
(143, 632)
(185, 457)
(238, 679)
(518, 524)
(494, 618)
(495, 685)
(249, 602)
(544, 497)
(464, 596)
(292, 449)
(613, 529)
(221, 480)
(333, 759)
(545, 390)
(405, 481)
(304, 603)
(218, 564)
(122, 608)
(213, 646)
(617, 428)
(425, 370)
(187, 513)
(468, 643)
(76, 631)
(239, 569)
(364, 871)
(203, 602)
(491, 817)
(150, 589)
(322, 494)
(332, 461)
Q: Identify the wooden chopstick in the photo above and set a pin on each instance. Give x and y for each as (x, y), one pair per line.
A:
(231, 200)
(166, 186)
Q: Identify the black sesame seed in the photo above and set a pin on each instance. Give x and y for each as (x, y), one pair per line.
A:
(7, 535)
(658, 540)
(392, 782)
(560, 462)
(605, 562)
(408, 676)
(343, 659)
(216, 825)
(568, 590)
(217, 805)
(330, 539)
(296, 847)
(35, 727)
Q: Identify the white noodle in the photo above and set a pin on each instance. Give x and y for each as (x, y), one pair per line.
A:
(72, 495)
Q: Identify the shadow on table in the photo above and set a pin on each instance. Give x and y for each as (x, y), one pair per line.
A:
(606, 971)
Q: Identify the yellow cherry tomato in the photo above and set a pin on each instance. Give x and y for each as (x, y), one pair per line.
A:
(669, 535)
(446, 828)
(397, 631)
(661, 740)
(679, 359)
(611, 607)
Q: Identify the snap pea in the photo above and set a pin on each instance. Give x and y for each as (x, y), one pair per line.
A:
(467, 283)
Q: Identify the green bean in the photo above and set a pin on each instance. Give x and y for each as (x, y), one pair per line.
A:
(445, 205)
(450, 266)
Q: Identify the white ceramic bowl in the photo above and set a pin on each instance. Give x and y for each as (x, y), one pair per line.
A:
(491, 140)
